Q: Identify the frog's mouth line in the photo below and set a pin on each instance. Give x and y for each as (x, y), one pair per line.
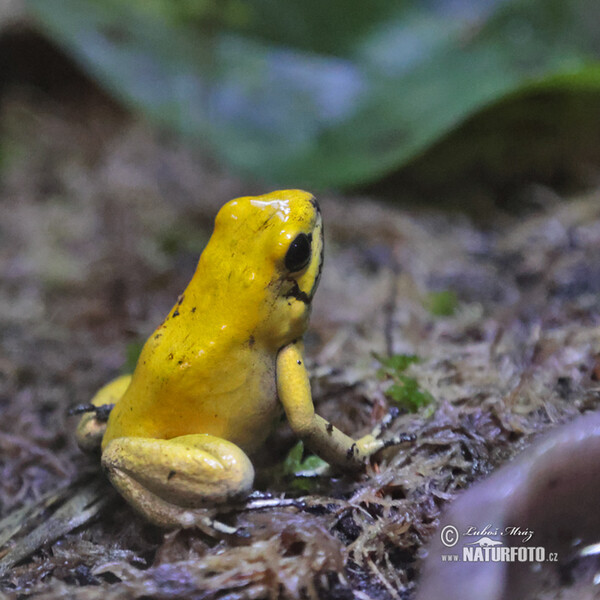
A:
(298, 294)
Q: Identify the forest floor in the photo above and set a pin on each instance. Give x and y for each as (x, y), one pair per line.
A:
(103, 220)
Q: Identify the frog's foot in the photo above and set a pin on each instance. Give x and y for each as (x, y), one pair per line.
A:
(92, 425)
(166, 480)
(369, 445)
(372, 443)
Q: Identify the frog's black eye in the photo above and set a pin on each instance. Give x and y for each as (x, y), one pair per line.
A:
(298, 254)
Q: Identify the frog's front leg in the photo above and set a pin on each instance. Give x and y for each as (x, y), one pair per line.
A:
(293, 388)
(90, 429)
(166, 479)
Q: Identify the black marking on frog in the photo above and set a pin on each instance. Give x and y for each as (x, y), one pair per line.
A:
(175, 313)
(102, 411)
(321, 261)
(251, 341)
(403, 438)
(266, 222)
(298, 294)
(351, 451)
(171, 475)
(180, 299)
(79, 409)
(320, 269)
(329, 428)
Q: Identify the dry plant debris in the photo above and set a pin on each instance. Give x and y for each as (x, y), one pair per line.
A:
(103, 222)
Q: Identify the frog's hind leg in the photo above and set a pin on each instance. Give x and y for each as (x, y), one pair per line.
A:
(165, 480)
(92, 425)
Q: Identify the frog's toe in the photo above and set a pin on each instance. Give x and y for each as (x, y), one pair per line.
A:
(89, 432)
(398, 439)
(166, 480)
(92, 425)
(386, 422)
(369, 444)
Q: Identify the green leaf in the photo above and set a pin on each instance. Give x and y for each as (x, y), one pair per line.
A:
(279, 93)
(407, 394)
(442, 304)
(395, 364)
(400, 362)
(293, 463)
(404, 391)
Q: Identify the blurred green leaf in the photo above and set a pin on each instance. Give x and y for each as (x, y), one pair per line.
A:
(335, 94)
(442, 304)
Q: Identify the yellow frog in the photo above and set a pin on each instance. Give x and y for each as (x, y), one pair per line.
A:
(212, 380)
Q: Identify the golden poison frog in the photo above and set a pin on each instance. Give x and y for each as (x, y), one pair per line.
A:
(213, 379)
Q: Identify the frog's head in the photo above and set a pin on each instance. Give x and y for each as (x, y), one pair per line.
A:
(265, 256)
